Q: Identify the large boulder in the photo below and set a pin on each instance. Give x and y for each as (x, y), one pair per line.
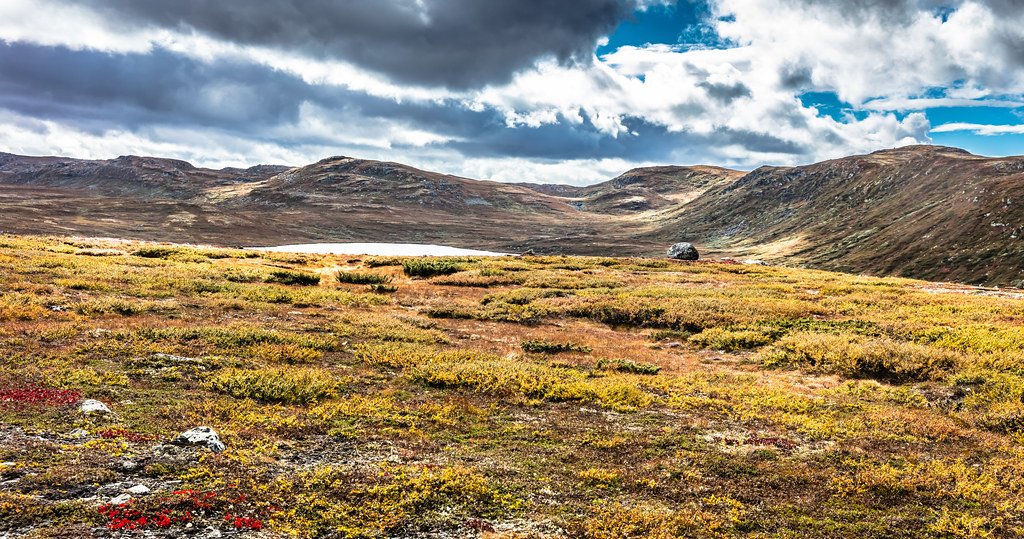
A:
(200, 437)
(683, 251)
(92, 406)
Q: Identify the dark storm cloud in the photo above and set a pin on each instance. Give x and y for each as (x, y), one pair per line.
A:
(646, 142)
(453, 43)
(96, 91)
(131, 90)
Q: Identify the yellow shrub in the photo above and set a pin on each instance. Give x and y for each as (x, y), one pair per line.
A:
(714, 518)
(729, 341)
(599, 477)
(857, 356)
(286, 385)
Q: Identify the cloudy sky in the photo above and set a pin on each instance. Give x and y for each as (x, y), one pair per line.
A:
(537, 90)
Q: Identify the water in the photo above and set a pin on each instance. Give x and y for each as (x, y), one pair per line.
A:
(379, 249)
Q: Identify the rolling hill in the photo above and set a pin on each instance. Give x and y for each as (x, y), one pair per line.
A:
(920, 211)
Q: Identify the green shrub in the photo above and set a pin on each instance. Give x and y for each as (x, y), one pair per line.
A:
(353, 277)
(430, 267)
(383, 288)
(378, 261)
(729, 341)
(156, 252)
(629, 366)
(293, 277)
(541, 346)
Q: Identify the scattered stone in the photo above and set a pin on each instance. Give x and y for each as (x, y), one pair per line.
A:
(92, 406)
(120, 499)
(139, 490)
(171, 358)
(201, 437)
(129, 465)
(683, 251)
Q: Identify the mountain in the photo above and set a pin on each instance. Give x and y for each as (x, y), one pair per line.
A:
(920, 211)
(128, 175)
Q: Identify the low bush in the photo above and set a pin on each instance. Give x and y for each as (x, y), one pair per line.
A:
(430, 267)
(353, 277)
(286, 385)
(156, 252)
(629, 366)
(293, 278)
(861, 357)
(376, 262)
(729, 341)
(541, 346)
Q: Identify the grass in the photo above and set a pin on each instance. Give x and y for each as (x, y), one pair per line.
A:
(541, 397)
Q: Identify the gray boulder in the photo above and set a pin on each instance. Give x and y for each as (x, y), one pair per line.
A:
(92, 406)
(200, 437)
(683, 251)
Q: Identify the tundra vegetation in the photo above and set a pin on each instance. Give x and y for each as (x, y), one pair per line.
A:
(518, 397)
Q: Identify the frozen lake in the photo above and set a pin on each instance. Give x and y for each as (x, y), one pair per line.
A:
(378, 249)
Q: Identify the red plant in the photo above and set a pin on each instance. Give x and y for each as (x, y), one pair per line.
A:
(38, 396)
(244, 523)
(181, 507)
(131, 436)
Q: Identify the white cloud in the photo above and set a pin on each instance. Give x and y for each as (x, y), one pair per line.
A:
(979, 129)
(922, 103)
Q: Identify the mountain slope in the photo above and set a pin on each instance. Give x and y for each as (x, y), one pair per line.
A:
(923, 211)
(125, 176)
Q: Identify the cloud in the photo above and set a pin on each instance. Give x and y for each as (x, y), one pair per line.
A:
(865, 49)
(470, 87)
(922, 103)
(979, 129)
(452, 43)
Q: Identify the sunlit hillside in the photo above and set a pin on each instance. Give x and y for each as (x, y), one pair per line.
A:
(512, 397)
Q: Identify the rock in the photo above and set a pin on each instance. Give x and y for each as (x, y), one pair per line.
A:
(138, 490)
(78, 433)
(120, 499)
(92, 406)
(683, 251)
(201, 437)
(129, 466)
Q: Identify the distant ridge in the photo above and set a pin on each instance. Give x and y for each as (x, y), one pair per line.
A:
(919, 211)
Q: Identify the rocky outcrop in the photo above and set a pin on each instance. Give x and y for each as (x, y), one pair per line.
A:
(200, 437)
(683, 251)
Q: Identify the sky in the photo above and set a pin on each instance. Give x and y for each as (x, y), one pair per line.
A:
(511, 90)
